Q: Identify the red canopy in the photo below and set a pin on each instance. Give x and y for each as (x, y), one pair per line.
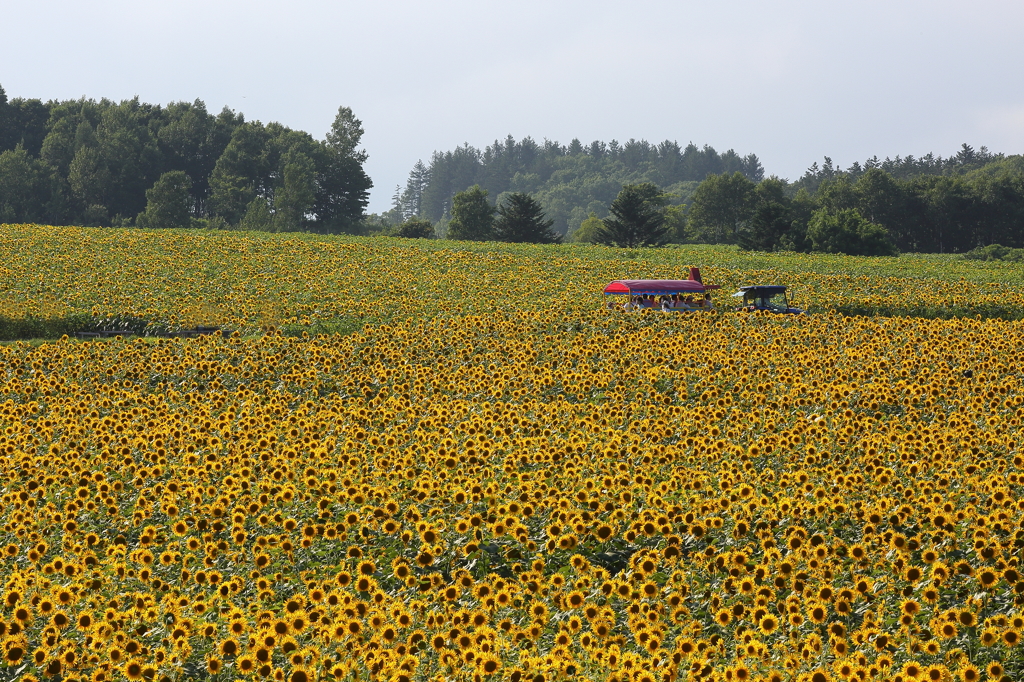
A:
(658, 286)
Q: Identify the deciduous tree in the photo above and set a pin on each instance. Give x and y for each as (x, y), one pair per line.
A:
(414, 228)
(472, 216)
(24, 187)
(846, 231)
(720, 208)
(345, 134)
(241, 173)
(294, 199)
(588, 230)
(257, 216)
(770, 218)
(342, 186)
(168, 202)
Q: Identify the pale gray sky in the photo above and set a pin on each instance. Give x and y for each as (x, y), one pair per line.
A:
(790, 80)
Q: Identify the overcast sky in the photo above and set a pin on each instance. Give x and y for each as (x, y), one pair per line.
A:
(790, 80)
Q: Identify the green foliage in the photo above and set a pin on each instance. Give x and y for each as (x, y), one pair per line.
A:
(588, 230)
(89, 179)
(191, 140)
(1000, 167)
(23, 122)
(414, 228)
(675, 224)
(297, 194)
(345, 134)
(105, 156)
(342, 195)
(771, 218)
(52, 328)
(307, 185)
(768, 224)
(92, 163)
(846, 231)
(257, 216)
(995, 252)
(938, 213)
(167, 202)
(966, 160)
(241, 173)
(342, 326)
(637, 218)
(570, 181)
(925, 204)
(24, 184)
(472, 216)
(409, 202)
(342, 186)
(721, 207)
(521, 220)
(211, 223)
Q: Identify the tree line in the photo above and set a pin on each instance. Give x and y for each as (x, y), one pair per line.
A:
(103, 163)
(930, 204)
(973, 201)
(570, 181)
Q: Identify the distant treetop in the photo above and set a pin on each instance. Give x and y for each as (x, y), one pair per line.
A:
(569, 181)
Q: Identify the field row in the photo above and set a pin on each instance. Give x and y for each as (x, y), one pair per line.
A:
(172, 279)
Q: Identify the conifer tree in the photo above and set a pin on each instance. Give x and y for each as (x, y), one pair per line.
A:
(637, 218)
(521, 219)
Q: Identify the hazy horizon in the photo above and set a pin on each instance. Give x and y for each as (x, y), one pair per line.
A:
(791, 82)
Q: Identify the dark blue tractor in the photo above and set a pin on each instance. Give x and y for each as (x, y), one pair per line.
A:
(770, 299)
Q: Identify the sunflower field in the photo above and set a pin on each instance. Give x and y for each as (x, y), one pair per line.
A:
(250, 282)
(493, 478)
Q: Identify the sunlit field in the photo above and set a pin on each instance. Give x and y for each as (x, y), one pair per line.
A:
(494, 478)
(248, 281)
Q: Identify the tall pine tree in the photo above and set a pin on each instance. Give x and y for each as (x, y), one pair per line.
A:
(637, 218)
(521, 219)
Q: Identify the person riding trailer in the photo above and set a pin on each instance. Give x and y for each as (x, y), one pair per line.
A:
(669, 295)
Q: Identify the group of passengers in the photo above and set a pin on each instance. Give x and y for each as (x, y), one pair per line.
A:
(669, 302)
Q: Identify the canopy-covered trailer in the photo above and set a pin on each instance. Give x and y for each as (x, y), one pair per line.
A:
(675, 295)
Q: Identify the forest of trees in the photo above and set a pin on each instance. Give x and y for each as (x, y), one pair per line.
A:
(954, 205)
(570, 182)
(929, 204)
(103, 163)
